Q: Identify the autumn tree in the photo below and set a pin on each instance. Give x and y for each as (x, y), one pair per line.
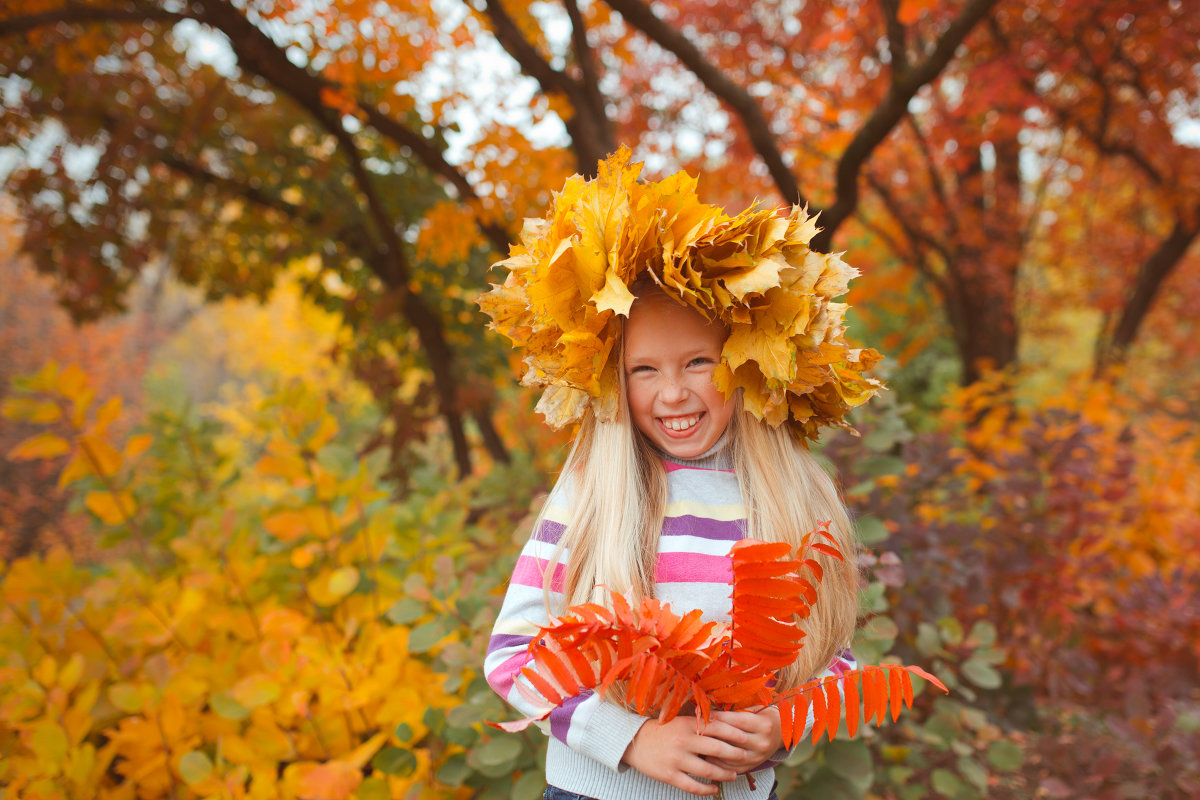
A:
(404, 142)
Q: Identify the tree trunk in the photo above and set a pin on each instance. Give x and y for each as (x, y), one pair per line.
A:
(1151, 276)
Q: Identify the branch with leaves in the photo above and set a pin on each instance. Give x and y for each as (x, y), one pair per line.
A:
(660, 663)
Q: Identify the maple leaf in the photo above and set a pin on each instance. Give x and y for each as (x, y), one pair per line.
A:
(569, 276)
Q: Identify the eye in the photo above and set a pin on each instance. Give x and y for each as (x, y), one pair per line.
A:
(700, 361)
(641, 368)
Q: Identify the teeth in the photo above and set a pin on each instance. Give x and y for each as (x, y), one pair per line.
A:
(681, 423)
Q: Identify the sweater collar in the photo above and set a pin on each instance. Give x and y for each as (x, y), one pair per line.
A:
(719, 456)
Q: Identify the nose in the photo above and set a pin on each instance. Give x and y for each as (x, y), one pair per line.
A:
(673, 390)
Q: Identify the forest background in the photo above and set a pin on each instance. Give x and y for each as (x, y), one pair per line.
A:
(265, 472)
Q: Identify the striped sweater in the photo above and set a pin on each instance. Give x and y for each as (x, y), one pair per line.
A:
(588, 736)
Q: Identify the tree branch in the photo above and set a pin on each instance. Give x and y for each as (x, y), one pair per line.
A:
(79, 14)
(640, 16)
(589, 128)
(1151, 276)
(590, 77)
(888, 114)
(897, 37)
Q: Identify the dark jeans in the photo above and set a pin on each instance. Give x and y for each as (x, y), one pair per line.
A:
(554, 793)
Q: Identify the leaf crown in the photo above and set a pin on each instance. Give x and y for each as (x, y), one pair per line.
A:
(568, 284)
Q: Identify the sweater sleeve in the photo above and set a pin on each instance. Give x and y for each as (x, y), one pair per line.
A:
(585, 723)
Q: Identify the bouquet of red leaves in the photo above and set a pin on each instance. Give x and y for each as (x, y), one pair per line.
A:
(663, 661)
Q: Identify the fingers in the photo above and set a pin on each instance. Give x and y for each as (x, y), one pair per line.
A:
(746, 721)
(675, 754)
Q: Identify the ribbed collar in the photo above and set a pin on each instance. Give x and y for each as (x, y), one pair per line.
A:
(719, 456)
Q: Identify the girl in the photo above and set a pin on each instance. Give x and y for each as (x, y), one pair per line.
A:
(670, 466)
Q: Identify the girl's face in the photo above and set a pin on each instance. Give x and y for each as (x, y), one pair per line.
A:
(670, 353)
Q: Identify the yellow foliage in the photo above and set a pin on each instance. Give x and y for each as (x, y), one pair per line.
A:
(238, 670)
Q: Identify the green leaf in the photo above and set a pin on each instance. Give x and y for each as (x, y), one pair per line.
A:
(983, 634)
(454, 771)
(403, 732)
(195, 766)
(224, 705)
(974, 772)
(530, 786)
(928, 641)
(498, 751)
(1004, 755)
(870, 530)
(952, 632)
(871, 599)
(878, 466)
(395, 761)
(851, 760)
(422, 638)
(981, 674)
(404, 611)
(946, 783)
(826, 784)
(463, 716)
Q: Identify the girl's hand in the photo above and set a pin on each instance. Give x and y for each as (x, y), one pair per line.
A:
(761, 737)
(676, 755)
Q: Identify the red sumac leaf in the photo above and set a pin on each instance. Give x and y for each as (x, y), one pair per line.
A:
(828, 550)
(897, 693)
(851, 687)
(833, 706)
(549, 692)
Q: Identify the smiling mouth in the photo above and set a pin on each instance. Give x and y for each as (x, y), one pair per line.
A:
(680, 424)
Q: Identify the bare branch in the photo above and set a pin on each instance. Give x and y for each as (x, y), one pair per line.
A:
(897, 37)
(1153, 273)
(888, 114)
(640, 16)
(80, 15)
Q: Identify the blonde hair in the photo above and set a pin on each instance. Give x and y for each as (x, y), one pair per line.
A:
(618, 503)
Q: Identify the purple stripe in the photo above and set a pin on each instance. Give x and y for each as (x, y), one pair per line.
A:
(550, 532)
(502, 640)
(711, 529)
(560, 718)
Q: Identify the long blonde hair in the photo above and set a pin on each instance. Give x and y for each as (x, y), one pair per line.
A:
(618, 503)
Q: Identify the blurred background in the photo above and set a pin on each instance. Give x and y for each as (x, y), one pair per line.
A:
(265, 473)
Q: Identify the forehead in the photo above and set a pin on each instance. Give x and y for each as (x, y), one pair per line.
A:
(659, 324)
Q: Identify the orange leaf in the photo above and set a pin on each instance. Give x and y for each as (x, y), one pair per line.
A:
(542, 685)
(922, 673)
(334, 780)
(828, 550)
(897, 693)
(833, 706)
(851, 688)
(820, 714)
(42, 445)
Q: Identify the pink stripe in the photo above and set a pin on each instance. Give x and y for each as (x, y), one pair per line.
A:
(501, 678)
(530, 570)
(693, 568)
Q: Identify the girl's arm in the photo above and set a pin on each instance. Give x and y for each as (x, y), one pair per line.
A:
(597, 729)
